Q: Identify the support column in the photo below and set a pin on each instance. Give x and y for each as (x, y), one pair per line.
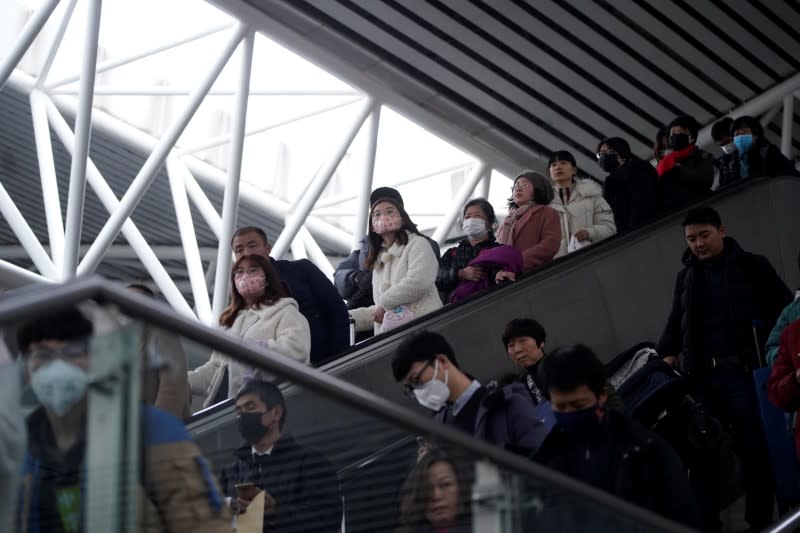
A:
(151, 167)
(302, 207)
(316, 254)
(83, 129)
(26, 236)
(13, 276)
(230, 202)
(362, 208)
(486, 184)
(480, 170)
(787, 125)
(29, 33)
(55, 44)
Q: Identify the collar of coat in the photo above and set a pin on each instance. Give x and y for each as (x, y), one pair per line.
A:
(283, 445)
(730, 250)
(584, 188)
(395, 250)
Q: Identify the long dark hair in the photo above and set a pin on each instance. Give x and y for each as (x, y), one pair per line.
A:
(416, 490)
(273, 292)
(376, 241)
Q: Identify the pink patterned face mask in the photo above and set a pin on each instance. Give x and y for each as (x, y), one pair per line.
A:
(251, 284)
(387, 223)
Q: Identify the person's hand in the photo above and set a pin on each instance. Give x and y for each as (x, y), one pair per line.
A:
(238, 505)
(379, 312)
(581, 235)
(671, 360)
(505, 275)
(471, 274)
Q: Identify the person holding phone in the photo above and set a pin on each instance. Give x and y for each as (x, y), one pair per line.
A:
(301, 489)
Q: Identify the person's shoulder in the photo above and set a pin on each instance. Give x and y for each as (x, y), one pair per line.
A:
(161, 427)
(588, 187)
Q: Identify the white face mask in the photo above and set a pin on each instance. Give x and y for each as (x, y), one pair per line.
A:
(729, 148)
(59, 386)
(433, 394)
(474, 228)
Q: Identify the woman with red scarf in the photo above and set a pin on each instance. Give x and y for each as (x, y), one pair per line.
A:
(686, 174)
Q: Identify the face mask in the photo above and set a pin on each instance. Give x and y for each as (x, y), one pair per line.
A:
(474, 228)
(729, 148)
(608, 162)
(251, 284)
(743, 142)
(679, 141)
(434, 393)
(250, 427)
(580, 423)
(387, 224)
(59, 386)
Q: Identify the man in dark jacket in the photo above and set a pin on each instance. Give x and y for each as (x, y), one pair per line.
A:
(352, 279)
(301, 491)
(315, 294)
(755, 156)
(604, 448)
(719, 295)
(686, 174)
(426, 366)
(727, 164)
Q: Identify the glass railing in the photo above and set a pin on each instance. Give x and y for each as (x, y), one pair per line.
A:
(344, 460)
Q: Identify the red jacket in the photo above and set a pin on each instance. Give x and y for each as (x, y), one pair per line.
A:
(783, 388)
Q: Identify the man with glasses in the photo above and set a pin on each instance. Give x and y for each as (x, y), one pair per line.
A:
(181, 495)
(426, 366)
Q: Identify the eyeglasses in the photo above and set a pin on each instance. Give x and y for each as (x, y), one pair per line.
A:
(408, 388)
(70, 350)
(599, 155)
(521, 186)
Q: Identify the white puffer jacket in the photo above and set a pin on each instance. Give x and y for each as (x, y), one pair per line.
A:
(405, 274)
(586, 209)
(279, 327)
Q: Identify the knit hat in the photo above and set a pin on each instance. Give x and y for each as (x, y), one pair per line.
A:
(386, 193)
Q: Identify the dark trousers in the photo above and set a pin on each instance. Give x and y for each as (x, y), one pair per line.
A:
(729, 395)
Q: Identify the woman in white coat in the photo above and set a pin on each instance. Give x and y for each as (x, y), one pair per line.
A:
(260, 311)
(585, 215)
(404, 270)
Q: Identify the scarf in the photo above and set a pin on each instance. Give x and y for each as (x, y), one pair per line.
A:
(505, 233)
(669, 161)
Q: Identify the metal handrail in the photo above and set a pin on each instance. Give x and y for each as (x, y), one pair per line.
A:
(41, 300)
(790, 523)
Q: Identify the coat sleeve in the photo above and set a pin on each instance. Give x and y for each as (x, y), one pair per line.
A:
(344, 275)
(292, 336)
(789, 314)
(174, 394)
(419, 279)
(317, 505)
(528, 427)
(699, 176)
(447, 278)
(200, 378)
(548, 243)
(671, 339)
(774, 293)
(603, 219)
(331, 306)
(782, 387)
(644, 199)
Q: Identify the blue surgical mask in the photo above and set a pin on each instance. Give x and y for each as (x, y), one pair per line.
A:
(59, 385)
(580, 423)
(743, 142)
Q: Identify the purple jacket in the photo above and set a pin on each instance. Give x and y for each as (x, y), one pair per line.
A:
(492, 259)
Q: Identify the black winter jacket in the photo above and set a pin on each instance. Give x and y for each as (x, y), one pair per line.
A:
(639, 466)
(456, 258)
(764, 159)
(688, 182)
(631, 192)
(754, 292)
(302, 482)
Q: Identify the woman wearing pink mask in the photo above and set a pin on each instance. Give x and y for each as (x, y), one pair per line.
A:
(260, 311)
(404, 270)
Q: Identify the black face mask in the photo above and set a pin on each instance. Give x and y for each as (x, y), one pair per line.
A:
(608, 162)
(250, 427)
(678, 141)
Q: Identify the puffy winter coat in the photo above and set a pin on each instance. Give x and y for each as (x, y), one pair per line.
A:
(403, 275)
(279, 327)
(586, 209)
(782, 387)
(789, 314)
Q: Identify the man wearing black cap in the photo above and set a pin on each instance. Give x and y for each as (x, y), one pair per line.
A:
(352, 279)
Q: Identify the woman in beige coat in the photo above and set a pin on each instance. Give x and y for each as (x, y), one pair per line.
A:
(260, 311)
(585, 215)
(404, 270)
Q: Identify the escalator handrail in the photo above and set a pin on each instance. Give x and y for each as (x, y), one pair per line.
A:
(790, 523)
(41, 300)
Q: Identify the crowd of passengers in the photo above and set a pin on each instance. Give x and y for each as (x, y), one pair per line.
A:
(561, 411)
